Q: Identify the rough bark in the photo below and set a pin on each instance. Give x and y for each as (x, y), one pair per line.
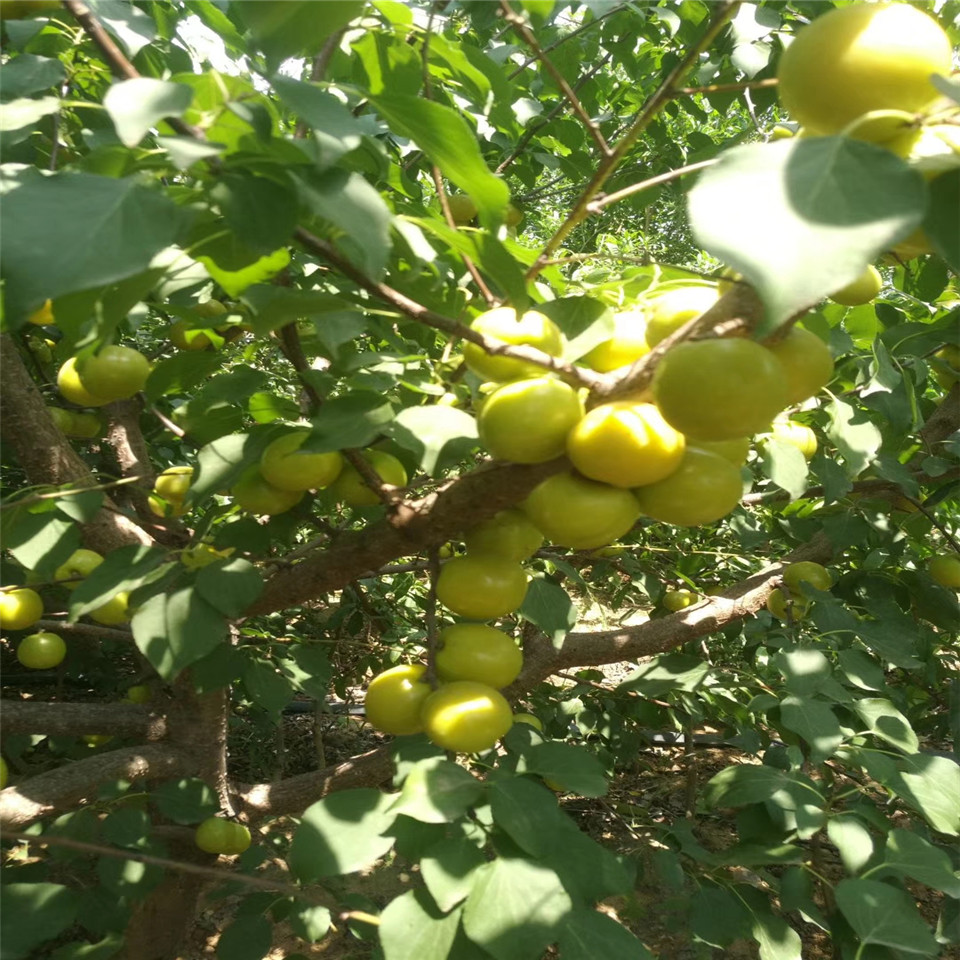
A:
(68, 786)
(74, 719)
(294, 794)
(410, 529)
(46, 456)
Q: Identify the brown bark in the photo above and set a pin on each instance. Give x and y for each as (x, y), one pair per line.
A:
(74, 719)
(46, 456)
(294, 794)
(410, 529)
(66, 787)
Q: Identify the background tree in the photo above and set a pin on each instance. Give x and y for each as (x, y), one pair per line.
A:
(306, 237)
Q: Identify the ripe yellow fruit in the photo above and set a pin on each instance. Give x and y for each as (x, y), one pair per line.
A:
(161, 507)
(787, 606)
(861, 290)
(351, 489)
(704, 488)
(43, 316)
(575, 512)
(670, 310)
(287, 467)
(114, 611)
(482, 587)
(185, 337)
(41, 651)
(806, 571)
(81, 563)
(86, 426)
(861, 58)
(253, 494)
(465, 716)
(797, 435)
(508, 533)
(462, 207)
(627, 344)
(946, 366)
(73, 389)
(735, 450)
(807, 361)
(475, 651)
(174, 482)
(945, 569)
(4, 773)
(675, 600)
(527, 421)
(394, 700)
(720, 389)
(20, 608)
(115, 372)
(625, 444)
(504, 323)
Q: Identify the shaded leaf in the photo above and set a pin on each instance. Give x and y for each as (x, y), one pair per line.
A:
(136, 105)
(448, 869)
(883, 915)
(438, 791)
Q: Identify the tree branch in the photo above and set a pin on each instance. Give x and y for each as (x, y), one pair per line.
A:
(72, 719)
(66, 787)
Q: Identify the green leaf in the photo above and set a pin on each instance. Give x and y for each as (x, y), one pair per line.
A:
(246, 938)
(857, 439)
(883, 915)
(438, 791)
(920, 860)
(931, 785)
(884, 720)
(939, 224)
(180, 373)
(744, 784)
(335, 129)
(236, 279)
(412, 927)
(515, 909)
(445, 138)
(18, 117)
(274, 307)
(776, 938)
(353, 420)
(125, 568)
(220, 463)
(31, 914)
(268, 689)
(862, 670)
(308, 922)
(172, 630)
(356, 208)
(548, 606)
(81, 506)
(585, 322)
(448, 869)
(294, 28)
(40, 541)
(587, 934)
(816, 722)
(103, 229)
(573, 767)
(26, 74)
(187, 801)
(261, 212)
(833, 203)
(805, 670)
(785, 465)
(853, 840)
(128, 23)
(184, 152)
(666, 674)
(128, 827)
(230, 586)
(136, 105)
(308, 668)
(426, 431)
(718, 917)
(342, 833)
(104, 949)
(527, 812)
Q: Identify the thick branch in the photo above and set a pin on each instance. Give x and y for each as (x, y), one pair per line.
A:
(410, 529)
(71, 719)
(294, 794)
(65, 787)
(45, 454)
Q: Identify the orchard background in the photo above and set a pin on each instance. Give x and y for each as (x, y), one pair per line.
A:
(709, 781)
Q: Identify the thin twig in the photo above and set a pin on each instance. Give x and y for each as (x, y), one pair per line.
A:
(85, 629)
(596, 206)
(168, 423)
(59, 494)
(722, 13)
(725, 87)
(526, 34)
